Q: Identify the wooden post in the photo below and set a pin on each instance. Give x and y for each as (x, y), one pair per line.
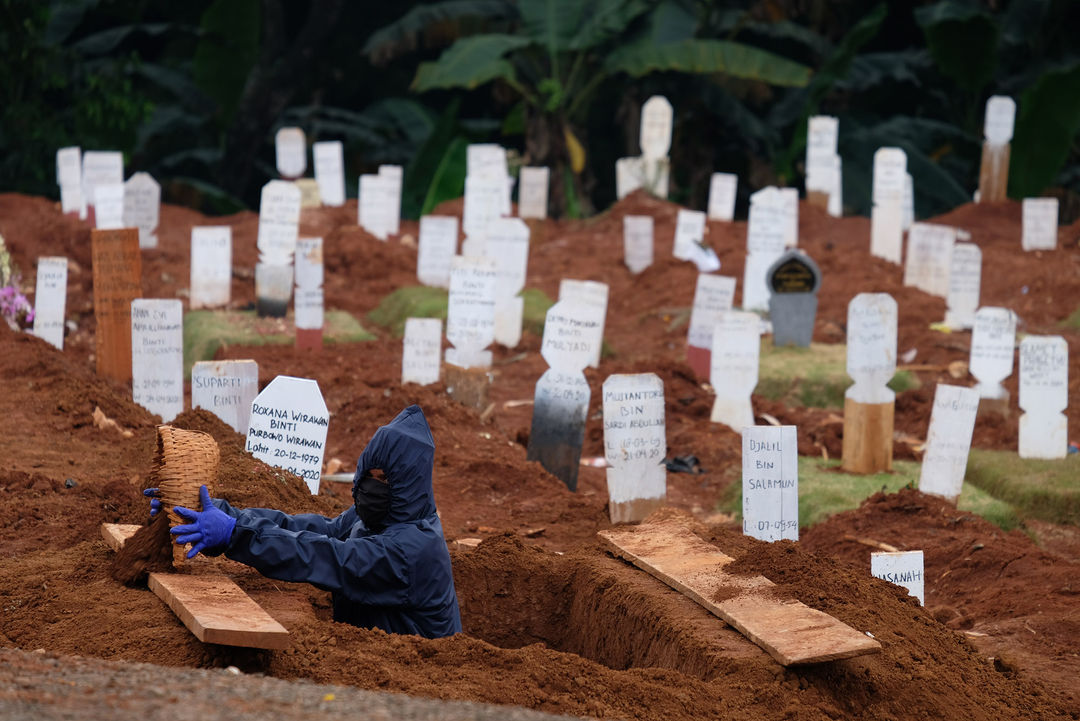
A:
(818, 199)
(468, 386)
(117, 269)
(994, 172)
(868, 436)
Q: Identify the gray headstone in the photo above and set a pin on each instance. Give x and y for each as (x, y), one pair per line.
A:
(794, 280)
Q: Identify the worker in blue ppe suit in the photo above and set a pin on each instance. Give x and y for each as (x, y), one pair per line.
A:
(384, 560)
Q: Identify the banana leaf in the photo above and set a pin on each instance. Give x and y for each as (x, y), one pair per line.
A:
(709, 56)
(400, 35)
(1047, 123)
(469, 62)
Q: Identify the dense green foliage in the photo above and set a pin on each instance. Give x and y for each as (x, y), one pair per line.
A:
(192, 92)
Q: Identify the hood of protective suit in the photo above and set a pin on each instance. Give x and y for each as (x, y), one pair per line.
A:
(405, 451)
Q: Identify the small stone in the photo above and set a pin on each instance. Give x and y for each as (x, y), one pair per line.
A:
(70, 483)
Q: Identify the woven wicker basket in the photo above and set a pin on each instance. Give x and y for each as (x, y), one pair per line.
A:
(184, 460)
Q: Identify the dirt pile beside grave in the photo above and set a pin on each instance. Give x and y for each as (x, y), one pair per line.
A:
(1015, 601)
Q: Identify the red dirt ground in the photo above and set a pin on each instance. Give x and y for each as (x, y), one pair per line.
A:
(578, 633)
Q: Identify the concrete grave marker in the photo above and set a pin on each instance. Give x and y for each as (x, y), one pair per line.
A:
(533, 192)
(421, 352)
(635, 445)
(948, 441)
(766, 232)
(377, 204)
(713, 295)
(484, 201)
(823, 165)
(689, 231)
(1040, 224)
(488, 160)
(69, 177)
(157, 356)
(998, 131)
(993, 337)
(770, 483)
(869, 404)
(101, 167)
(789, 207)
(393, 178)
(50, 300)
(329, 161)
(117, 268)
(657, 119)
(903, 568)
(593, 295)
(965, 280)
(279, 222)
(142, 207)
(637, 242)
(722, 191)
(907, 210)
(562, 393)
(290, 148)
(211, 266)
(887, 215)
(793, 280)
(507, 241)
(288, 428)
(109, 206)
(226, 389)
(629, 173)
(1044, 395)
(308, 297)
(736, 347)
(470, 313)
(929, 254)
(437, 247)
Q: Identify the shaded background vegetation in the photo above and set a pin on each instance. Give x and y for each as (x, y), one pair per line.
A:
(192, 92)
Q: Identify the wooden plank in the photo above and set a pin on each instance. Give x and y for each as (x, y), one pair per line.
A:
(218, 611)
(788, 630)
(117, 272)
(115, 534)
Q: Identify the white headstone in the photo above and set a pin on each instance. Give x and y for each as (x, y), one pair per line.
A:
(157, 356)
(329, 157)
(713, 295)
(488, 160)
(789, 208)
(393, 179)
(929, 254)
(871, 347)
(629, 175)
(635, 443)
(948, 441)
(288, 428)
(908, 208)
(377, 204)
(657, 118)
(993, 337)
(822, 136)
(279, 222)
(437, 247)
(507, 241)
(722, 190)
(736, 347)
(770, 483)
(421, 353)
(637, 242)
(101, 167)
(291, 150)
(1040, 224)
(766, 233)
(109, 206)
(965, 281)
(484, 196)
(999, 120)
(689, 234)
(533, 192)
(226, 389)
(211, 266)
(571, 330)
(903, 568)
(69, 177)
(470, 312)
(887, 214)
(594, 295)
(142, 207)
(308, 299)
(1044, 395)
(50, 300)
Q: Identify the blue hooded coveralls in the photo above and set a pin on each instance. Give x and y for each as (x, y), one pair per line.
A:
(398, 579)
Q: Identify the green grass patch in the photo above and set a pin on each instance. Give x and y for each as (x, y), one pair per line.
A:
(825, 491)
(421, 301)
(814, 377)
(207, 330)
(1047, 490)
(1073, 321)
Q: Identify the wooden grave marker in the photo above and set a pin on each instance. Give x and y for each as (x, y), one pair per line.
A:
(436, 248)
(533, 192)
(226, 389)
(998, 132)
(50, 299)
(903, 568)
(142, 207)
(328, 157)
(290, 152)
(886, 217)
(421, 351)
(101, 167)
(117, 269)
(69, 177)
(736, 347)
(308, 295)
(109, 206)
(766, 233)
(929, 255)
(637, 242)
(713, 295)
(722, 192)
(965, 281)
(993, 339)
(869, 404)
(157, 356)
(288, 428)
(470, 329)
(1039, 229)
(948, 441)
(823, 163)
(635, 445)
(1044, 395)
(770, 483)
(594, 295)
(211, 266)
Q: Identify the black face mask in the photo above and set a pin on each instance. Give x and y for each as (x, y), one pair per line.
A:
(372, 498)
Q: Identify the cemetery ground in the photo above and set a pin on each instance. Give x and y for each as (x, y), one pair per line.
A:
(552, 622)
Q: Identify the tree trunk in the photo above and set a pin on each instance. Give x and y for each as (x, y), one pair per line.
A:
(545, 144)
(278, 73)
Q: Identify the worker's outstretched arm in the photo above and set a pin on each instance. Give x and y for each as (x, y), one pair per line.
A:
(335, 527)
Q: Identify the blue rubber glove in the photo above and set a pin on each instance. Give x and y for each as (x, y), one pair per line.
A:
(209, 529)
(155, 502)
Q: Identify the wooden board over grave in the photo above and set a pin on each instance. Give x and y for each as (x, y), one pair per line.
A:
(213, 608)
(789, 631)
(117, 268)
